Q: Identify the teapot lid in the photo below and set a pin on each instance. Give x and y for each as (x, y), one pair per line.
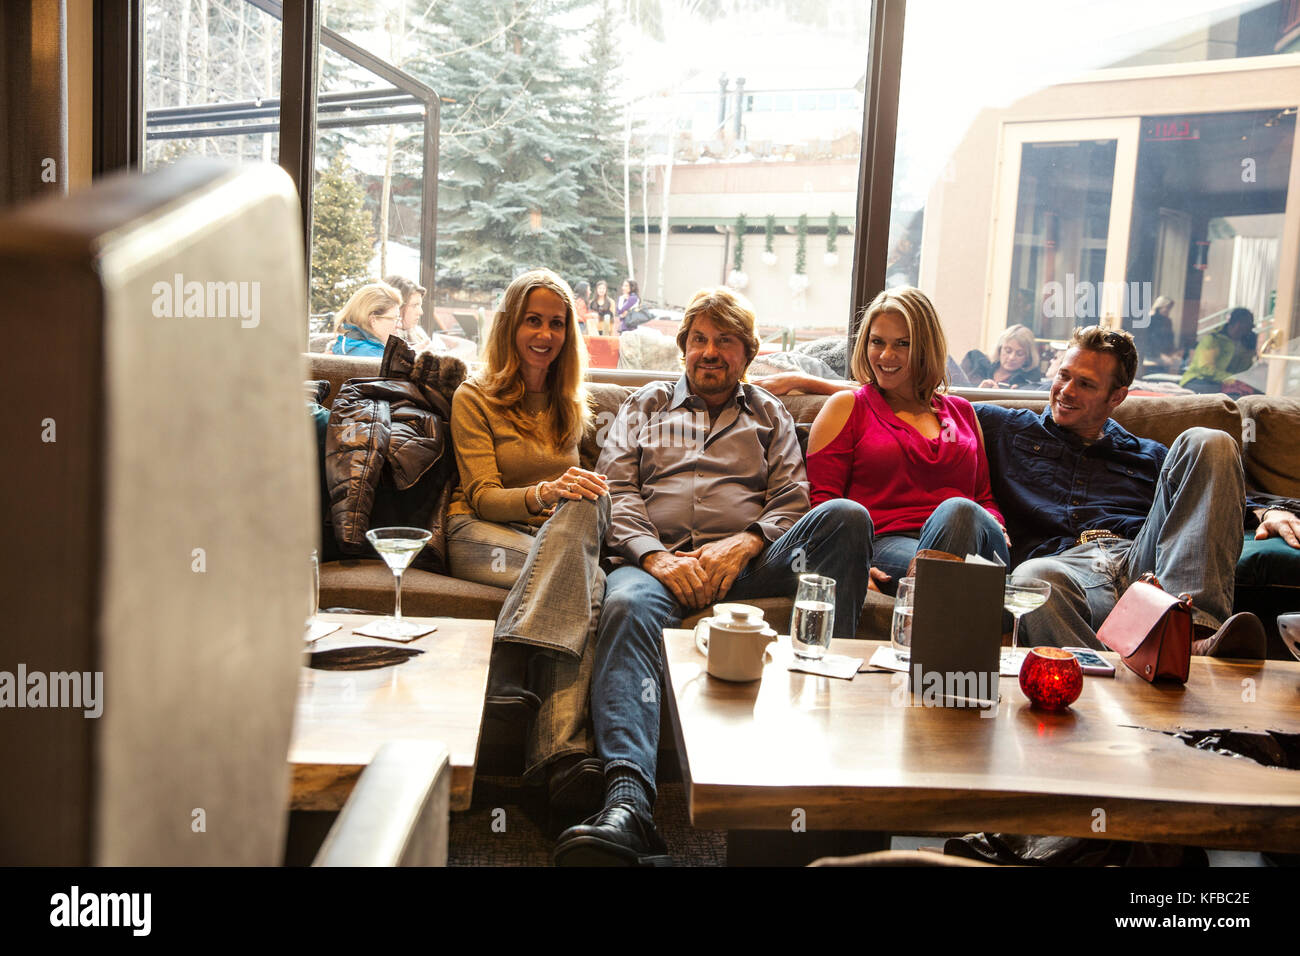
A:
(740, 616)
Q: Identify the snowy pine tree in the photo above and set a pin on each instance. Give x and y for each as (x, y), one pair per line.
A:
(515, 154)
(342, 232)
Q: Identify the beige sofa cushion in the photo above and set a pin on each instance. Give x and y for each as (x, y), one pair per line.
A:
(367, 585)
(337, 369)
(1164, 418)
(1272, 426)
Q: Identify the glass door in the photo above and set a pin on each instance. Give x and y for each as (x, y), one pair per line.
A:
(1061, 225)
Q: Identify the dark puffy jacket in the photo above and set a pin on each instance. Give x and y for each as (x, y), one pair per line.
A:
(388, 457)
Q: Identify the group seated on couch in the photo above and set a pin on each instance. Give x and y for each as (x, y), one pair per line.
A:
(1268, 572)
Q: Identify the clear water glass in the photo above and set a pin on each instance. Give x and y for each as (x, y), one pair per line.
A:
(315, 588)
(900, 626)
(813, 620)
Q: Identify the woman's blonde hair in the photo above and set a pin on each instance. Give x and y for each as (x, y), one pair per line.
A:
(501, 379)
(373, 298)
(928, 354)
(1021, 335)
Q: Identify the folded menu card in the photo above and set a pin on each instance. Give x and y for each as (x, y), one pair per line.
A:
(956, 633)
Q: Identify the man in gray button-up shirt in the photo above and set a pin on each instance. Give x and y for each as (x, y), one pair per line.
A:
(709, 502)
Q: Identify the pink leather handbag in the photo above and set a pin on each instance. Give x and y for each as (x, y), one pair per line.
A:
(1151, 631)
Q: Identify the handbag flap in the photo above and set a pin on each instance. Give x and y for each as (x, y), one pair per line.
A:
(1138, 611)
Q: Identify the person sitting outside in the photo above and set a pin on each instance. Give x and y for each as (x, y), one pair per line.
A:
(1221, 354)
(603, 306)
(366, 321)
(709, 502)
(412, 310)
(581, 298)
(1177, 512)
(1013, 363)
(628, 302)
(911, 454)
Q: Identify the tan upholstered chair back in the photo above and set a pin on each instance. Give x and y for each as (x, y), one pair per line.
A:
(160, 490)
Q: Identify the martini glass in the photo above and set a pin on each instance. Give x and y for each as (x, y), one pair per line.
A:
(398, 547)
(1020, 597)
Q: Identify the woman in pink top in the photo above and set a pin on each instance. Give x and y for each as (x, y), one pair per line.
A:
(912, 455)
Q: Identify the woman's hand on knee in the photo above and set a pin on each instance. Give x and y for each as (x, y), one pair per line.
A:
(578, 483)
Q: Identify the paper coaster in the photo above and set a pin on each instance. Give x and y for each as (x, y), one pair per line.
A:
(832, 665)
(379, 628)
(317, 629)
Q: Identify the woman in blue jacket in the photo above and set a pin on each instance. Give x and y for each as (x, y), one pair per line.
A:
(365, 322)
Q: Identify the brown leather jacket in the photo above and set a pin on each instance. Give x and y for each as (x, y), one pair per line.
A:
(388, 458)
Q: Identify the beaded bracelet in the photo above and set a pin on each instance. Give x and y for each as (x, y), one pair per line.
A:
(541, 505)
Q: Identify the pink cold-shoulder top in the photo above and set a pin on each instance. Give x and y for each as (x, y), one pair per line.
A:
(894, 471)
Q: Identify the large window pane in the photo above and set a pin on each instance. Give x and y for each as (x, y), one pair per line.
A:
(644, 142)
(211, 81)
(1150, 166)
(375, 159)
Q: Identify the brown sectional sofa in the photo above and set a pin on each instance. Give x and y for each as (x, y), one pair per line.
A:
(1271, 459)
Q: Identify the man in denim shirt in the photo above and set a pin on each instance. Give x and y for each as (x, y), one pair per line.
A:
(1071, 469)
(708, 500)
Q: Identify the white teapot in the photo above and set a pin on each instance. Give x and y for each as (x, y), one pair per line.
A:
(735, 642)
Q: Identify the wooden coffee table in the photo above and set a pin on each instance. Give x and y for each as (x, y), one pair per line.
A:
(344, 717)
(842, 755)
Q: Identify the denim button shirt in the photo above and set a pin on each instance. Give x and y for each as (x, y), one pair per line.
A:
(1051, 486)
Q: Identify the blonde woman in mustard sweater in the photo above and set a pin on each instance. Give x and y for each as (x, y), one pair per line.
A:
(528, 517)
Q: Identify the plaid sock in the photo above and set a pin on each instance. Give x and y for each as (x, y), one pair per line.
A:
(624, 785)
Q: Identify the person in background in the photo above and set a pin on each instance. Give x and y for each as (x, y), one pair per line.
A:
(412, 310)
(909, 453)
(366, 321)
(628, 301)
(1221, 354)
(1013, 363)
(603, 306)
(581, 300)
(528, 517)
(1155, 340)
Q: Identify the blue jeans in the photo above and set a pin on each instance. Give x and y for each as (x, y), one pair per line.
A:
(833, 539)
(958, 526)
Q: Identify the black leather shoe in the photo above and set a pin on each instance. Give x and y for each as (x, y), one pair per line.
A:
(1242, 637)
(575, 786)
(616, 836)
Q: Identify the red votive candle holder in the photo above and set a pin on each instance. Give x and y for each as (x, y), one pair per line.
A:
(1051, 678)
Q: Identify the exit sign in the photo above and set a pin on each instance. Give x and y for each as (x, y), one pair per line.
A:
(1168, 130)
